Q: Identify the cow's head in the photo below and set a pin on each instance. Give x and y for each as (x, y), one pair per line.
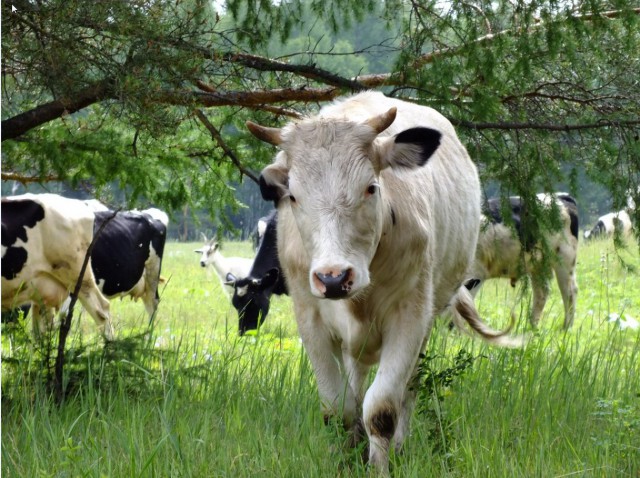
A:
(207, 251)
(251, 298)
(328, 173)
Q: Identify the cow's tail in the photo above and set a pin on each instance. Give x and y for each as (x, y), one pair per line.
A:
(464, 311)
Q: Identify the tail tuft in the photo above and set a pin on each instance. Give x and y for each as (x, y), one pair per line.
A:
(464, 312)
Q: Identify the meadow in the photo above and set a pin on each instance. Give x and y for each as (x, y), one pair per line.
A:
(189, 398)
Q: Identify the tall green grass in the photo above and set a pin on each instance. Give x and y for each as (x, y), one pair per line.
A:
(188, 397)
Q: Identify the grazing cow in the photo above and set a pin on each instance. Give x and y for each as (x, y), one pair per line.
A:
(127, 256)
(501, 252)
(44, 241)
(252, 294)
(607, 225)
(378, 217)
(237, 266)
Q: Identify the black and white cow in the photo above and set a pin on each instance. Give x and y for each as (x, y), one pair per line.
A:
(609, 224)
(378, 218)
(45, 238)
(252, 294)
(127, 255)
(501, 252)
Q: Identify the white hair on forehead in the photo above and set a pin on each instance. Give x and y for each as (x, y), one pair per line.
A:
(319, 132)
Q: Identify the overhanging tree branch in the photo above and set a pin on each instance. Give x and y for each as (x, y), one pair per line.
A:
(248, 98)
(21, 178)
(20, 124)
(260, 99)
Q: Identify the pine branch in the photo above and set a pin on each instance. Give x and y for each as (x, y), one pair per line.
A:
(20, 124)
(217, 137)
(21, 178)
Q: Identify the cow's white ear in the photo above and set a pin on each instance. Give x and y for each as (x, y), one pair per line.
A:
(198, 251)
(231, 279)
(274, 182)
(409, 149)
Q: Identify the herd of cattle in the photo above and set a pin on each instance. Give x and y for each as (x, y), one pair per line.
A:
(378, 228)
(127, 257)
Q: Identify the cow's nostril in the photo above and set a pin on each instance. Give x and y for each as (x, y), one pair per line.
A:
(334, 284)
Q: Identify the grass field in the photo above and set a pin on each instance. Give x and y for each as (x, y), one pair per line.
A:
(188, 398)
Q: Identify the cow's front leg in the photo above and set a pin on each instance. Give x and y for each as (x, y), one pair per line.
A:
(325, 355)
(402, 429)
(98, 307)
(356, 372)
(384, 403)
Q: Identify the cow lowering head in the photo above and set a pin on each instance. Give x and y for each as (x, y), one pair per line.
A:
(328, 173)
(251, 298)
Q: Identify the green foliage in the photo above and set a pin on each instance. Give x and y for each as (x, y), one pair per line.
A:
(432, 386)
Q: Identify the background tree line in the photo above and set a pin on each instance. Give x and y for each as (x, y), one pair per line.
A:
(143, 103)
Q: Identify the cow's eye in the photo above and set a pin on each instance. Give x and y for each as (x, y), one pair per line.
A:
(292, 198)
(371, 190)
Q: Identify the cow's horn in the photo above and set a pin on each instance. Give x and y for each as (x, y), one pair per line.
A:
(264, 133)
(381, 122)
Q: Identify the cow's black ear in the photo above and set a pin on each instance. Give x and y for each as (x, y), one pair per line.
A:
(426, 138)
(274, 182)
(269, 192)
(270, 278)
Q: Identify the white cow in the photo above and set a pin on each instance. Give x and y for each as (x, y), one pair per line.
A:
(238, 267)
(379, 210)
(44, 241)
(609, 223)
(503, 252)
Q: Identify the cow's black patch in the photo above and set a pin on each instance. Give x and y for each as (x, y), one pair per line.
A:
(122, 248)
(572, 208)
(427, 138)
(383, 423)
(17, 216)
(13, 261)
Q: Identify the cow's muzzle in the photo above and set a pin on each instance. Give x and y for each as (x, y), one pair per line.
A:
(334, 284)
